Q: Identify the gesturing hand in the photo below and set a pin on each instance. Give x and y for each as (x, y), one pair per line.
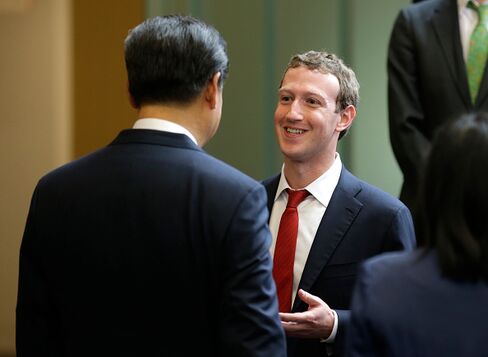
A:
(316, 322)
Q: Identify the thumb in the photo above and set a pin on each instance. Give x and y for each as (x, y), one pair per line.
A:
(309, 299)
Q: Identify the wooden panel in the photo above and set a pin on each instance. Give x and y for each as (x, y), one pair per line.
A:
(15, 6)
(101, 106)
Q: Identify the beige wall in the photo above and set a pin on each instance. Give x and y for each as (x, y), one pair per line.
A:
(61, 72)
(35, 120)
(101, 106)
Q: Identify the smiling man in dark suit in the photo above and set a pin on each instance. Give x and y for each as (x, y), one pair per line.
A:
(342, 220)
(150, 246)
(432, 78)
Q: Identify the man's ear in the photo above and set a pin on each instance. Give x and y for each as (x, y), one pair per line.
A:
(347, 116)
(212, 91)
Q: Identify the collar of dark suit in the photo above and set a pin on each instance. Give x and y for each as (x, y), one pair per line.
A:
(154, 137)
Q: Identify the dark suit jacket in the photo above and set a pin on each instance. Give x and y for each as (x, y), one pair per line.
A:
(147, 246)
(403, 306)
(360, 221)
(427, 84)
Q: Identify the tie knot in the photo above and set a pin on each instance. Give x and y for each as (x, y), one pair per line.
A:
(295, 197)
(481, 9)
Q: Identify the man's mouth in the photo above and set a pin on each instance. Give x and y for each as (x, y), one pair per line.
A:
(294, 131)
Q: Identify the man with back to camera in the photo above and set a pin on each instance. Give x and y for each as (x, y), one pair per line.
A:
(150, 245)
(338, 220)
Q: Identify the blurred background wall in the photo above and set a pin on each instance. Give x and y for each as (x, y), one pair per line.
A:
(35, 135)
(63, 91)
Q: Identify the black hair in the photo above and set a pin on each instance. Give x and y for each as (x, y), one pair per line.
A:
(172, 58)
(454, 205)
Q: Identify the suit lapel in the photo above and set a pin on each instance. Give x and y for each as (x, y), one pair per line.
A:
(271, 185)
(445, 23)
(339, 215)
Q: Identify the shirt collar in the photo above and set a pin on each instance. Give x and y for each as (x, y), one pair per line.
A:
(322, 188)
(163, 125)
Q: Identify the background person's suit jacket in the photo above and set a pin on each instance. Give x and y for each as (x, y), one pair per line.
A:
(427, 85)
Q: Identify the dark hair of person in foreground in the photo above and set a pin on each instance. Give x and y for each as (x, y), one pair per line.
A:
(454, 206)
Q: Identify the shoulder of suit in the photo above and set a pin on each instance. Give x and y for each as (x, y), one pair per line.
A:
(374, 195)
(270, 181)
(68, 169)
(426, 7)
(225, 174)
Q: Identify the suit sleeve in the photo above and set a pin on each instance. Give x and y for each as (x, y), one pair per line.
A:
(359, 341)
(35, 327)
(400, 235)
(405, 111)
(251, 324)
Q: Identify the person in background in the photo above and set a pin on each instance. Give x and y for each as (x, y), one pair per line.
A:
(436, 72)
(324, 220)
(432, 301)
(150, 246)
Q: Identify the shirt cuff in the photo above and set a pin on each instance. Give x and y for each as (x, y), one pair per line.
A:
(333, 334)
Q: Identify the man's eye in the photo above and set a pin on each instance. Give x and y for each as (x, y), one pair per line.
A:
(285, 98)
(313, 101)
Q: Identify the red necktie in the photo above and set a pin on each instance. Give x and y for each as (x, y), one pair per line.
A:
(284, 255)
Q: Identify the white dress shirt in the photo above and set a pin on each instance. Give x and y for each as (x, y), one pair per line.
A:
(310, 213)
(163, 125)
(468, 19)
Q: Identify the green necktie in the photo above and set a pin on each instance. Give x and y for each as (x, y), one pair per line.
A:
(478, 49)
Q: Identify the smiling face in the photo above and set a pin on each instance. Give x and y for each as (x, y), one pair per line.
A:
(306, 123)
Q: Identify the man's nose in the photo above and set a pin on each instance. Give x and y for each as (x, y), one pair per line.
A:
(295, 111)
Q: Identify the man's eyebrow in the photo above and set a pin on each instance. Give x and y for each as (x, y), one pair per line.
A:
(306, 93)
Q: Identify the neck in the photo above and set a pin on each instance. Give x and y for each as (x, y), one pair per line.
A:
(184, 115)
(301, 174)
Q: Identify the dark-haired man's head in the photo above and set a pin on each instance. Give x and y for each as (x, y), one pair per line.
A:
(171, 59)
(176, 68)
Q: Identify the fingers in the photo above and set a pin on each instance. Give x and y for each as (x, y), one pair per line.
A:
(293, 317)
(316, 322)
(310, 299)
(308, 324)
